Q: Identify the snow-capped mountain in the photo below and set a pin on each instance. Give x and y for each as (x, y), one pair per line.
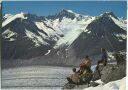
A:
(63, 38)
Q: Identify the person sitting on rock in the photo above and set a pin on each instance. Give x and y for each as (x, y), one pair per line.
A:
(103, 60)
(104, 57)
(85, 70)
(86, 77)
(86, 65)
(79, 76)
(74, 78)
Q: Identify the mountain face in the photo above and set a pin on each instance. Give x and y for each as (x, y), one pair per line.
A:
(61, 39)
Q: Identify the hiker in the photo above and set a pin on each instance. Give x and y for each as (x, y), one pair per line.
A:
(84, 75)
(103, 60)
(86, 64)
(85, 71)
(104, 57)
(74, 78)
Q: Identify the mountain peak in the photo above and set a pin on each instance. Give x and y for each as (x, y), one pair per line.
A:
(63, 10)
(106, 14)
(65, 13)
(70, 11)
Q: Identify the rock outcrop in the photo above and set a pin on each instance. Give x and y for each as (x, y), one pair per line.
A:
(108, 73)
(113, 72)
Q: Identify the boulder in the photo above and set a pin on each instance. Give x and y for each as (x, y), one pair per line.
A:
(113, 72)
(97, 72)
(120, 58)
(94, 84)
(68, 86)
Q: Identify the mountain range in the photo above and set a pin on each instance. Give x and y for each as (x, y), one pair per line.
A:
(61, 39)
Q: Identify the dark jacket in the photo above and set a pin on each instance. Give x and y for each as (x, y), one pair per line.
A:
(104, 55)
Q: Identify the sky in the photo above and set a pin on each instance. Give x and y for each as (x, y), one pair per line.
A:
(44, 8)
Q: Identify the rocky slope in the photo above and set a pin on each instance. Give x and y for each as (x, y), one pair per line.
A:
(106, 75)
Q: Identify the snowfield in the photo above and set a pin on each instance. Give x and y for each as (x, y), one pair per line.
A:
(114, 85)
(11, 18)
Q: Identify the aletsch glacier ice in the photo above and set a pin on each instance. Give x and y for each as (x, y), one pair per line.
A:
(38, 76)
(48, 77)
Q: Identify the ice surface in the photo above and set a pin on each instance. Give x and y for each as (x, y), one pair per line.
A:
(35, 77)
(48, 77)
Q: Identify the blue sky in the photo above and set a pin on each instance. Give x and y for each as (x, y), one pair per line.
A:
(44, 8)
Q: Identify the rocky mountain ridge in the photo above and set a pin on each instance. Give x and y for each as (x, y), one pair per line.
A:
(61, 39)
